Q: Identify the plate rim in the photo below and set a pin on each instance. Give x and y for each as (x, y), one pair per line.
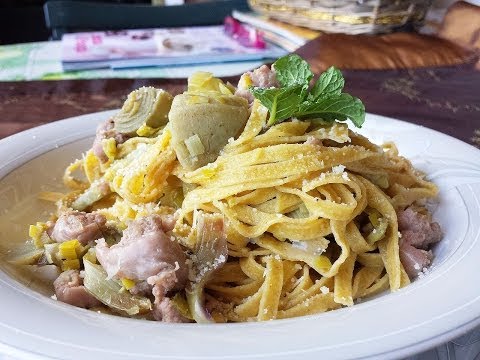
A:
(83, 131)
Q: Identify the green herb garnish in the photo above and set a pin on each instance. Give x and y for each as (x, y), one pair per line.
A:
(324, 101)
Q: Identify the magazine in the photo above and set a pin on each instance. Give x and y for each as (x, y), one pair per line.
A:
(157, 47)
(282, 34)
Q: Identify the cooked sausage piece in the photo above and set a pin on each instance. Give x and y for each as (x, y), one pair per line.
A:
(419, 232)
(79, 225)
(145, 251)
(106, 131)
(414, 260)
(165, 311)
(418, 229)
(263, 77)
(69, 289)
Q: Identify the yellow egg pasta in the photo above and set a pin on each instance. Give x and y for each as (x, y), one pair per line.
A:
(261, 181)
(309, 208)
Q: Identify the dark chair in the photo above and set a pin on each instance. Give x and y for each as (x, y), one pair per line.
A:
(71, 16)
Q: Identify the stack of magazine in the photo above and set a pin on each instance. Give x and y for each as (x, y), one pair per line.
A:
(158, 47)
(287, 36)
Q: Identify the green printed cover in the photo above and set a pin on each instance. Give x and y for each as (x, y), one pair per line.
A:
(42, 61)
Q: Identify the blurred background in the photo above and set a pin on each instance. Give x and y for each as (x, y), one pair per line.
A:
(414, 60)
(23, 20)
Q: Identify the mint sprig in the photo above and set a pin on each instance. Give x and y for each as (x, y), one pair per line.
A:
(281, 103)
(324, 101)
(292, 70)
(333, 107)
(329, 82)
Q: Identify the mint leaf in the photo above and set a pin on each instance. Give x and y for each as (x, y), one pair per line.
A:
(330, 82)
(281, 103)
(325, 100)
(292, 70)
(334, 107)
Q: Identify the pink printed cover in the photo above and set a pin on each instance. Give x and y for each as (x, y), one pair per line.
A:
(108, 45)
(148, 43)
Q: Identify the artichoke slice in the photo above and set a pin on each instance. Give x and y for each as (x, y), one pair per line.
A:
(145, 106)
(29, 258)
(210, 254)
(204, 118)
(44, 273)
(203, 82)
(97, 190)
(209, 119)
(110, 292)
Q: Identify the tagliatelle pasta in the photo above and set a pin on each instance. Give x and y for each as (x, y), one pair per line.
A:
(261, 191)
(309, 212)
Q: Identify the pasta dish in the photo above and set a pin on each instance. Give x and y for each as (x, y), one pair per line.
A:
(235, 203)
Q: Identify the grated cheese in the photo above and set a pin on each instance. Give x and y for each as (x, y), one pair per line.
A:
(338, 169)
(324, 289)
(302, 245)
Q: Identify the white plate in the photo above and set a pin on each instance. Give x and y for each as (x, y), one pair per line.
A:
(432, 310)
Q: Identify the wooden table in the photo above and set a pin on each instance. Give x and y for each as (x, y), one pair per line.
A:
(445, 99)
